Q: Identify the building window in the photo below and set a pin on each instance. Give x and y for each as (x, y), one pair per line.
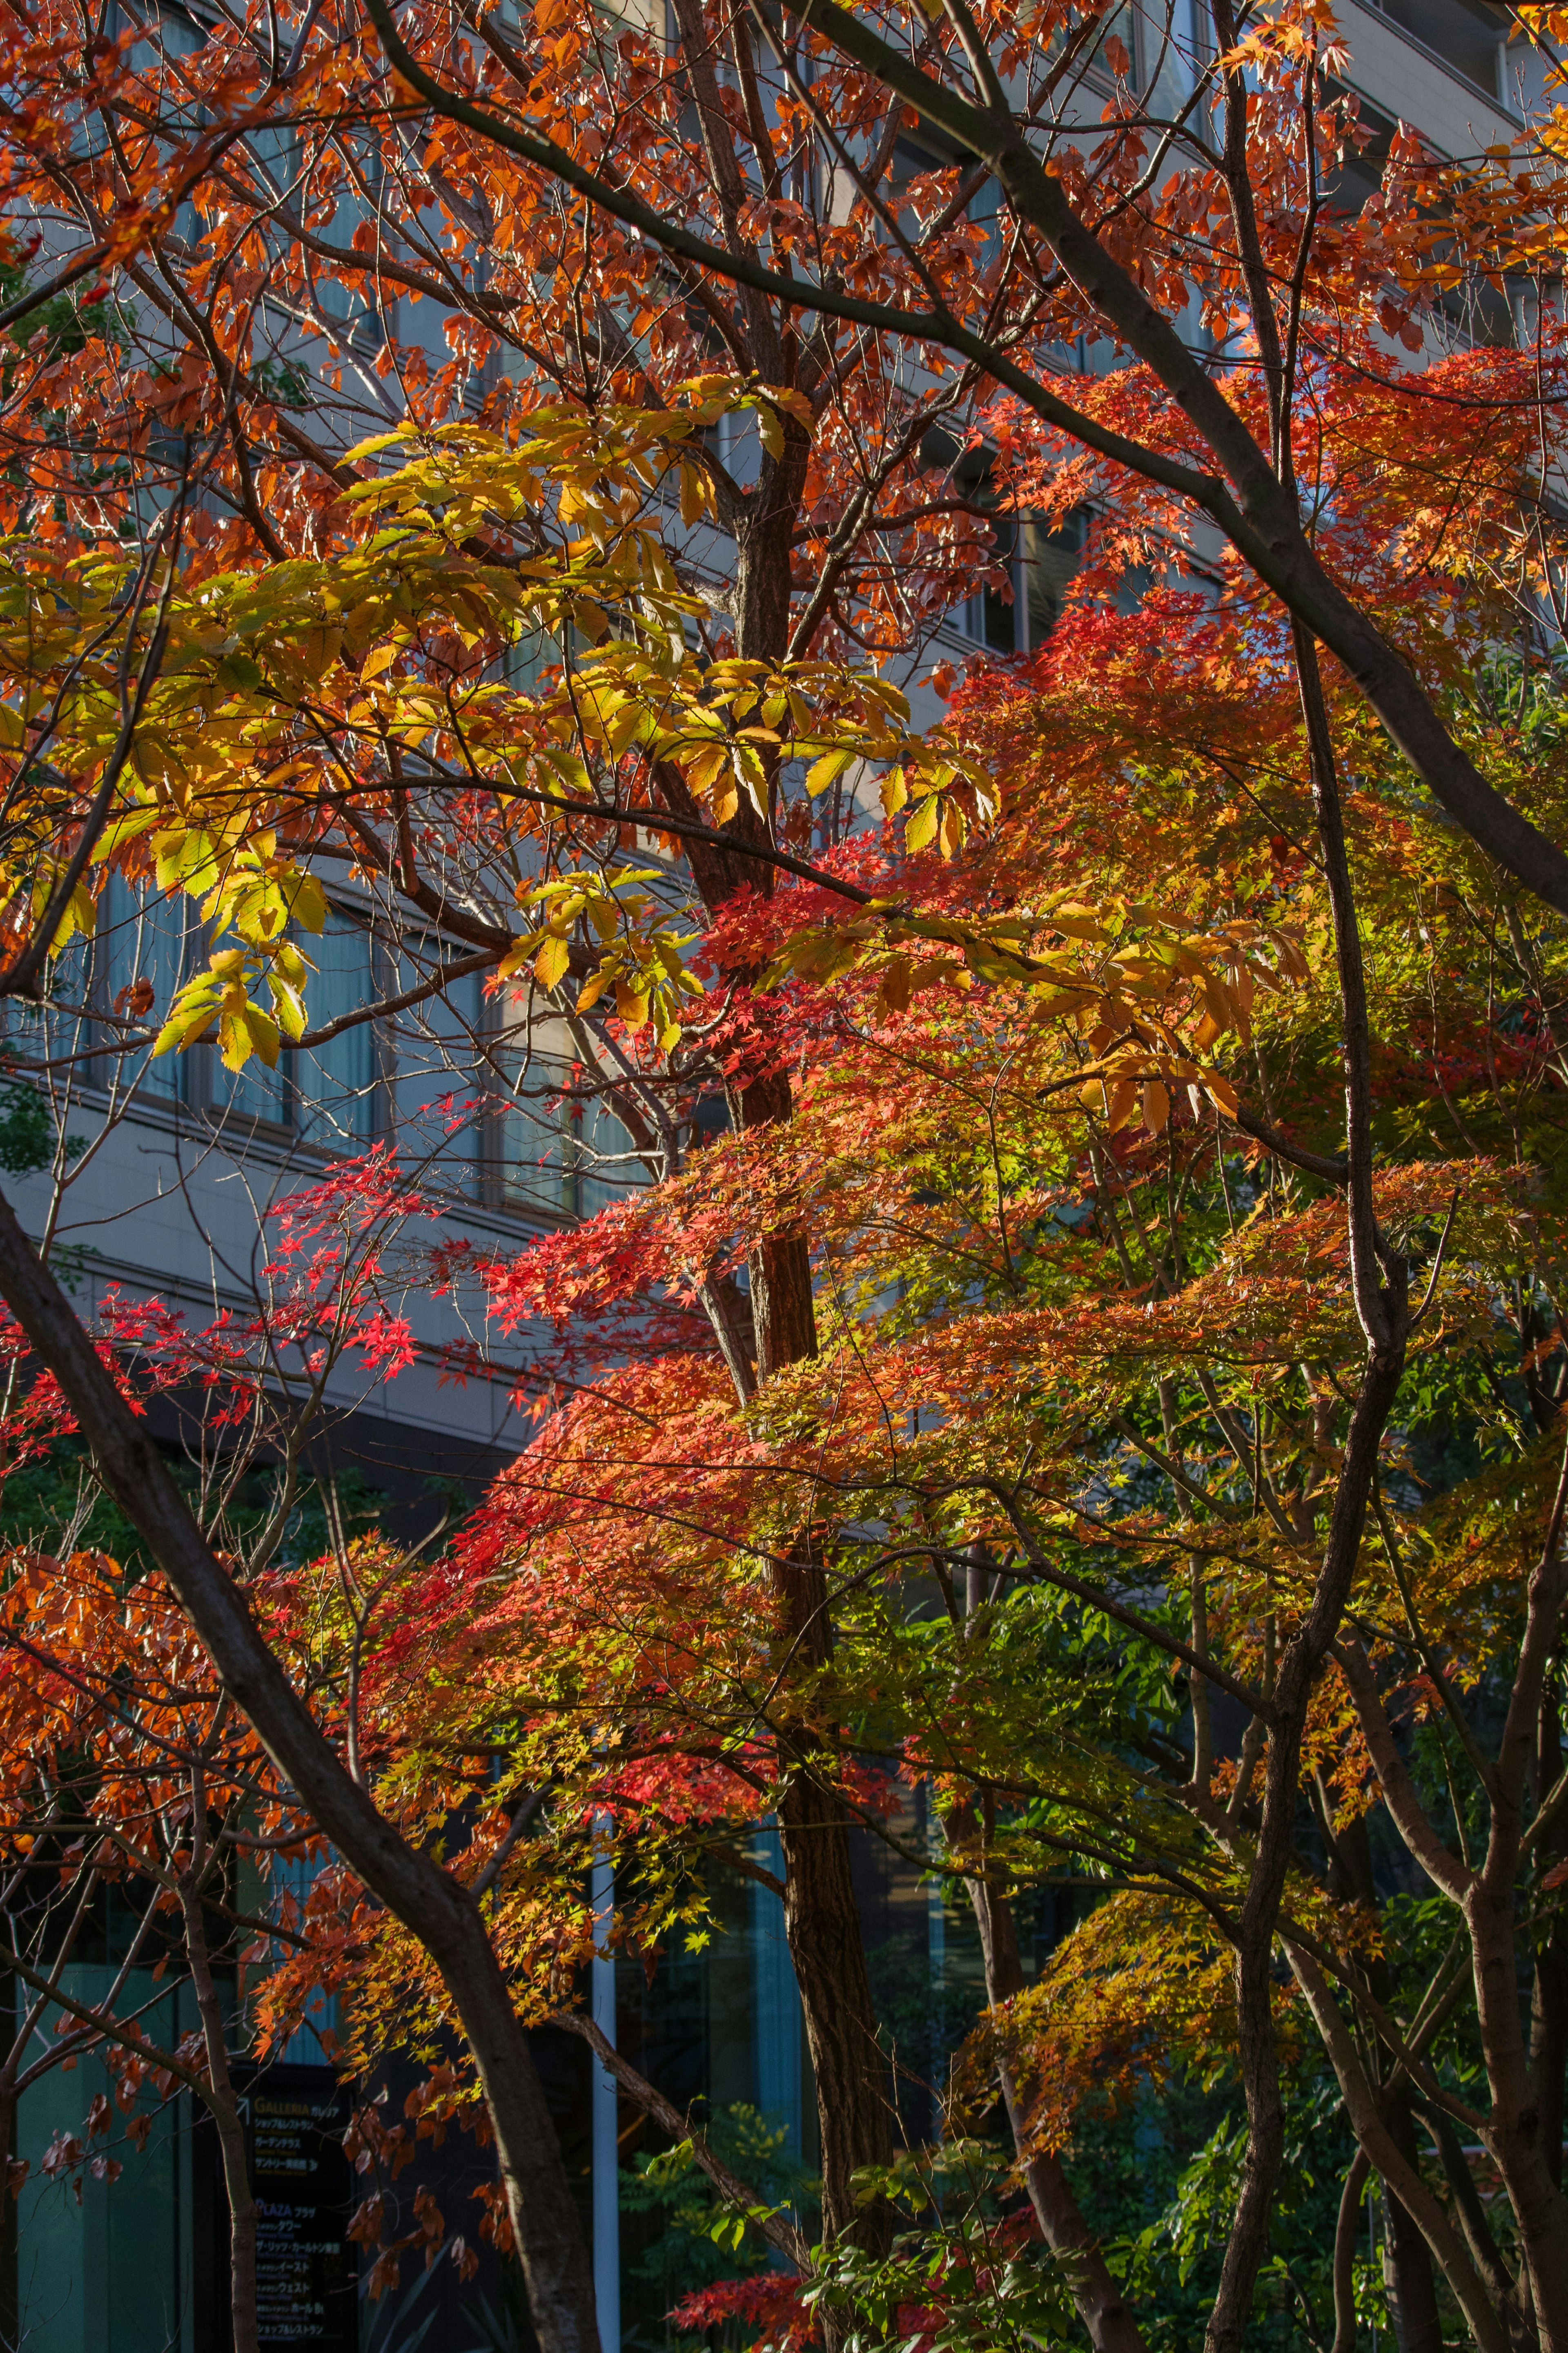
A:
(328, 1095)
(144, 934)
(1015, 616)
(561, 1150)
(1464, 35)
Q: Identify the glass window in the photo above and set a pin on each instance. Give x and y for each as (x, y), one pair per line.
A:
(326, 1093)
(335, 1084)
(1468, 36)
(38, 1027)
(1049, 559)
(253, 1092)
(1170, 45)
(144, 934)
(1120, 29)
(561, 1150)
(435, 1078)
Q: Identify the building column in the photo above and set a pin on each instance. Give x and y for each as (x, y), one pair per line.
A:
(607, 2128)
(777, 2019)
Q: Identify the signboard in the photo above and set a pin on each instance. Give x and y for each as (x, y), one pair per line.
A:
(306, 2270)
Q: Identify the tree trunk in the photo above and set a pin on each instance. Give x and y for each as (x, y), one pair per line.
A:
(1413, 2288)
(1549, 1992)
(10, 2235)
(1414, 2285)
(1345, 2230)
(432, 1905)
(1482, 2312)
(1471, 2216)
(226, 2115)
(1513, 2132)
(822, 1923)
(822, 1920)
(1101, 2307)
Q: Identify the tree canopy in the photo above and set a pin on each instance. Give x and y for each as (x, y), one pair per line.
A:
(1072, 1394)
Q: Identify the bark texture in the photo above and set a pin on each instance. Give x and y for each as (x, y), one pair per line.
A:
(822, 1923)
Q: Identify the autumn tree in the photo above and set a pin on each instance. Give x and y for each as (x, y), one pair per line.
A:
(859, 308)
(129, 1782)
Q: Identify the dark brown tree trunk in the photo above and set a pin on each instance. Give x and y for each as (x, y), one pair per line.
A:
(1345, 2230)
(1379, 1279)
(1549, 1992)
(1514, 2130)
(10, 2317)
(1413, 2283)
(822, 1920)
(822, 1923)
(1417, 2325)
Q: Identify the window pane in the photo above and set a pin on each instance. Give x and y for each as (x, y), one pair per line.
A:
(434, 1070)
(1050, 559)
(565, 1155)
(538, 1161)
(336, 1083)
(143, 934)
(255, 1093)
(55, 1026)
(605, 1170)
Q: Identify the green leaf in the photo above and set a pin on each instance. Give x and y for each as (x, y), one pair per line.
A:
(922, 826)
(828, 770)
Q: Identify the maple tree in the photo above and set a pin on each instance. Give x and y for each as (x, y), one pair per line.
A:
(141, 1813)
(925, 1094)
(128, 1776)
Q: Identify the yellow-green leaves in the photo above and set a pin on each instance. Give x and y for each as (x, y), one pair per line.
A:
(637, 954)
(828, 770)
(502, 636)
(218, 1003)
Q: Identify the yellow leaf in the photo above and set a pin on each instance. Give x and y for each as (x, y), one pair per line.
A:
(1156, 1107)
(922, 826)
(553, 960)
(827, 771)
(307, 904)
(370, 448)
(1079, 923)
(694, 494)
(170, 1035)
